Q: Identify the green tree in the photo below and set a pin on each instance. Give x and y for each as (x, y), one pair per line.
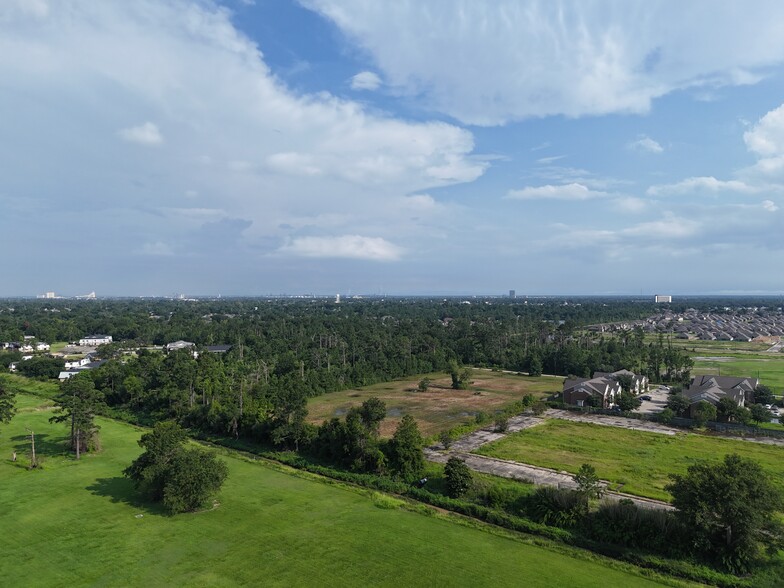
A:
(405, 450)
(182, 478)
(727, 409)
(423, 385)
(760, 414)
(588, 481)
(730, 510)
(626, 381)
(763, 395)
(192, 477)
(77, 403)
(373, 411)
(666, 415)
(461, 379)
(627, 401)
(457, 476)
(149, 471)
(535, 366)
(678, 404)
(704, 412)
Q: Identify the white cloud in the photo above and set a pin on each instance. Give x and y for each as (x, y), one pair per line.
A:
(157, 248)
(766, 138)
(702, 184)
(572, 191)
(144, 134)
(631, 204)
(178, 74)
(769, 205)
(365, 80)
(548, 160)
(345, 246)
(488, 63)
(645, 143)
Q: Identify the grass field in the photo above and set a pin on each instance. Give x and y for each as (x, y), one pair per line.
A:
(79, 523)
(768, 367)
(440, 407)
(633, 461)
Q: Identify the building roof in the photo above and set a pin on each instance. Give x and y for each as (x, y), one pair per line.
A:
(218, 348)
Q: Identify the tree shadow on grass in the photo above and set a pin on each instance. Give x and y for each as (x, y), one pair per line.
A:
(121, 489)
(45, 445)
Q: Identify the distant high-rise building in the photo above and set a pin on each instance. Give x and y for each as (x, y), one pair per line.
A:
(49, 295)
(337, 298)
(662, 298)
(512, 294)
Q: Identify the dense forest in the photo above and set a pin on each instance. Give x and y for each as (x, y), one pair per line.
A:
(284, 351)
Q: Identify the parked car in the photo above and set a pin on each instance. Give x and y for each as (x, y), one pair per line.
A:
(646, 397)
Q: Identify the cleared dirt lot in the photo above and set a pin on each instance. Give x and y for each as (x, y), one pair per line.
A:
(440, 407)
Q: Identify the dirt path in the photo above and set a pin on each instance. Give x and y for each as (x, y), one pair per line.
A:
(532, 474)
(613, 421)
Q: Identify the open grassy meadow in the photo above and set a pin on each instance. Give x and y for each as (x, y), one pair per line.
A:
(633, 461)
(79, 523)
(440, 407)
(768, 367)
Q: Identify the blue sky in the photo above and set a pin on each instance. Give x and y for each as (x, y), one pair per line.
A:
(410, 147)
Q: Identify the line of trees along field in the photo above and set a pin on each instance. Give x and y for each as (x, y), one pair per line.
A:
(284, 352)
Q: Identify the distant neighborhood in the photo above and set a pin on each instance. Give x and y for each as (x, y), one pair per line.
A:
(731, 325)
(82, 355)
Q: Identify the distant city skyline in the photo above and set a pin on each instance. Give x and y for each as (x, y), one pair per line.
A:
(423, 147)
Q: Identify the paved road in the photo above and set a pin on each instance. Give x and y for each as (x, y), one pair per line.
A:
(777, 347)
(478, 438)
(613, 421)
(531, 474)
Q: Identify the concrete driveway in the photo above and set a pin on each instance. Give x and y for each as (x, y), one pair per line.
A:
(658, 402)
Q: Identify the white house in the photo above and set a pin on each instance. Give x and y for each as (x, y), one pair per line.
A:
(95, 340)
(42, 347)
(76, 363)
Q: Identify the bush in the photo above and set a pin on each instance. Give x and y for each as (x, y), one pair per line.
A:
(501, 424)
(666, 416)
(557, 506)
(446, 438)
(624, 523)
(538, 408)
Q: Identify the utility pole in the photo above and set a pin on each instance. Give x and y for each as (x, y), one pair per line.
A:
(33, 460)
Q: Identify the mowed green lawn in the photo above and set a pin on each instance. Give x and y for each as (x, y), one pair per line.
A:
(634, 461)
(78, 523)
(440, 407)
(769, 368)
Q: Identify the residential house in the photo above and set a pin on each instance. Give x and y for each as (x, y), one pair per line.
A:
(639, 383)
(177, 345)
(602, 391)
(218, 348)
(712, 389)
(95, 340)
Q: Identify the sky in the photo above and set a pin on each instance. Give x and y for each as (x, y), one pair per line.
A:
(585, 147)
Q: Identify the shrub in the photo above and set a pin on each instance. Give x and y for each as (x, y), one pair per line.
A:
(446, 438)
(666, 416)
(624, 523)
(501, 424)
(558, 507)
(538, 408)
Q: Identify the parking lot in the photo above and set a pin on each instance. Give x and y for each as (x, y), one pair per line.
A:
(657, 402)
